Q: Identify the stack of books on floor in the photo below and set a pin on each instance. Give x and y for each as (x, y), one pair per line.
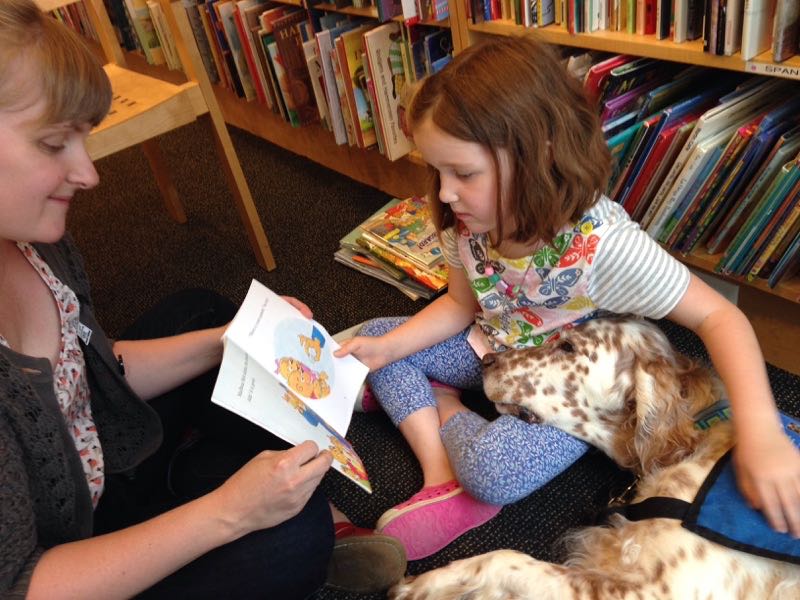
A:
(400, 246)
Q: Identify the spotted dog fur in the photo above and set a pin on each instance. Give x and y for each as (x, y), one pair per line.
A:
(619, 385)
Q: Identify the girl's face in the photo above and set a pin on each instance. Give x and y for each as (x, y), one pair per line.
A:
(41, 168)
(467, 175)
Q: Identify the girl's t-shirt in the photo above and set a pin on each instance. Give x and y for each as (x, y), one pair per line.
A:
(604, 261)
(69, 377)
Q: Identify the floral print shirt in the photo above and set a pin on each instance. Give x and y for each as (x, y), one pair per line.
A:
(69, 377)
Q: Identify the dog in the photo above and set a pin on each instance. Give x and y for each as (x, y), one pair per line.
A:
(619, 385)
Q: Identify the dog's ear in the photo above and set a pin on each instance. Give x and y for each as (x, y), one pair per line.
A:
(668, 390)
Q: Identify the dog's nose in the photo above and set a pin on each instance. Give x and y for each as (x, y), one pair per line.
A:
(488, 359)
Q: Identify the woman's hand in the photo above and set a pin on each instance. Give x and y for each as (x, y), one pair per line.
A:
(372, 351)
(301, 306)
(273, 487)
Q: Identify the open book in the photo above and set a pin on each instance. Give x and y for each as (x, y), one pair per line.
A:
(278, 371)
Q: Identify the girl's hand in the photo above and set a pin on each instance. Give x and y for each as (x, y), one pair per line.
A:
(301, 306)
(372, 351)
(768, 474)
(272, 487)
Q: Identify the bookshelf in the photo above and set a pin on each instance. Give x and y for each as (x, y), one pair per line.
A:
(774, 312)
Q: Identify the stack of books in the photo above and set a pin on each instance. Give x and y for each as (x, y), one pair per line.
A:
(400, 246)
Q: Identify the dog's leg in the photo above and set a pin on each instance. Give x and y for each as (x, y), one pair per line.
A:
(510, 575)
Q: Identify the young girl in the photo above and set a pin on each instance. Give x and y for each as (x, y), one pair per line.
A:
(518, 164)
(84, 505)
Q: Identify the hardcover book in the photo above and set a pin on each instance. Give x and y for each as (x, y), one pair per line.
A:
(278, 371)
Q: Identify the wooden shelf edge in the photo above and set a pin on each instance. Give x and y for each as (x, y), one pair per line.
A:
(640, 45)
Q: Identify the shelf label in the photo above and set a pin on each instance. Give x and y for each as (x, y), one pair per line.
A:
(773, 70)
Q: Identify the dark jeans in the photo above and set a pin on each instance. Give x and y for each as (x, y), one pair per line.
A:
(203, 445)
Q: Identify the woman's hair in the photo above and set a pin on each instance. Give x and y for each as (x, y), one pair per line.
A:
(513, 93)
(68, 75)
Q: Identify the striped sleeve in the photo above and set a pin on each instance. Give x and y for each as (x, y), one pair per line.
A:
(633, 274)
(450, 248)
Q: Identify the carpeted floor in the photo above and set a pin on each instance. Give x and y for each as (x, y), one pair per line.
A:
(135, 255)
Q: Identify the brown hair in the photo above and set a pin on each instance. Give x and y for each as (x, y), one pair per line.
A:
(68, 75)
(513, 93)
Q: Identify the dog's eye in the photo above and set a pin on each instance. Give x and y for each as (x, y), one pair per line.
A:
(566, 347)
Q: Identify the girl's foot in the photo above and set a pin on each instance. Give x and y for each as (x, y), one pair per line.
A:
(434, 517)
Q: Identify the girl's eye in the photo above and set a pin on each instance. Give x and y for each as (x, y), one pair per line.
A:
(51, 147)
(464, 175)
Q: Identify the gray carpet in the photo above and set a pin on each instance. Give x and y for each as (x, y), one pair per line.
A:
(135, 255)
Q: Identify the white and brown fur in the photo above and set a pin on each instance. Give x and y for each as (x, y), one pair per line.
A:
(620, 386)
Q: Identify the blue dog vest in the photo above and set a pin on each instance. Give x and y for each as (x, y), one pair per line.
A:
(721, 514)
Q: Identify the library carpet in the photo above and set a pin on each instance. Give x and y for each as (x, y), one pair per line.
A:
(135, 255)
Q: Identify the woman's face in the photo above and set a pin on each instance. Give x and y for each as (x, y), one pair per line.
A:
(41, 168)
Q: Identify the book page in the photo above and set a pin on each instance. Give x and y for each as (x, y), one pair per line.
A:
(278, 371)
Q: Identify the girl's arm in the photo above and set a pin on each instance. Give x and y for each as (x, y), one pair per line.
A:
(767, 462)
(153, 367)
(444, 317)
(271, 488)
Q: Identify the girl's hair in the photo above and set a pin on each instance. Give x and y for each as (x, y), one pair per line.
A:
(513, 93)
(69, 76)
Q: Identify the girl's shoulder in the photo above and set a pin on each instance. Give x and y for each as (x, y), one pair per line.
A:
(607, 211)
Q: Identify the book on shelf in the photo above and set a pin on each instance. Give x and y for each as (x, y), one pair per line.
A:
(788, 264)
(785, 29)
(756, 27)
(314, 65)
(384, 58)
(349, 47)
(246, 14)
(278, 371)
(785, 234)
(289, 41)
(143, 26)
(225, 9)
(221, 39)
(201, 38)
(165, 39)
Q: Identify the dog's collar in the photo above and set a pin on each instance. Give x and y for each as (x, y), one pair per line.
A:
(717, 412)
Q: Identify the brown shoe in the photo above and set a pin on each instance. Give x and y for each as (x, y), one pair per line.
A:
(364, 561)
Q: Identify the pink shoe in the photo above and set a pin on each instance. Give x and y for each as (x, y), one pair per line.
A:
(366, 401)
(434, 517)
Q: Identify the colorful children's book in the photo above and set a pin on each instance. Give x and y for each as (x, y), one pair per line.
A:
(278, 371)
(406, 229)
(383, 49)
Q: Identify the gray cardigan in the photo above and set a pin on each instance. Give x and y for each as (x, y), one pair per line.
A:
(44, 497)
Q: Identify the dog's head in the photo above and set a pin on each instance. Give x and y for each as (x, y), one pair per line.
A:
(615, 383)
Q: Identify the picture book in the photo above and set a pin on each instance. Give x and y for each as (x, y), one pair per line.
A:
(278, 371)
(289, 41)
(772, 233)
(383, 50)
(406, 229)
(325, 40)
(350, 46)
(235, 44)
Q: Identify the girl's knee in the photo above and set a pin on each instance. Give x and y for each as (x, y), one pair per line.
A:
(380, 326)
